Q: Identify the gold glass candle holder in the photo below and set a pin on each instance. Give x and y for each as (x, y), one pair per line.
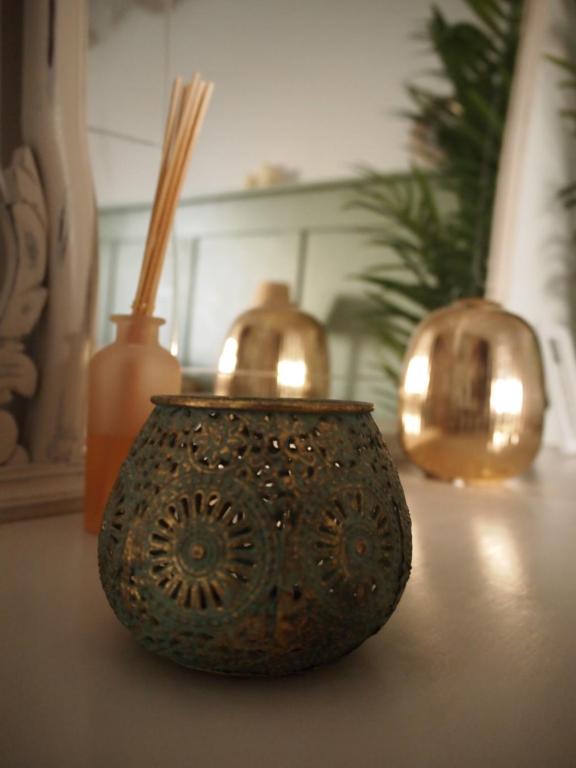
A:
(274, 350)
(472, 393)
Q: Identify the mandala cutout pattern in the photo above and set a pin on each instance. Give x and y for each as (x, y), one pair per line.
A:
(206, 555)
(354, 550)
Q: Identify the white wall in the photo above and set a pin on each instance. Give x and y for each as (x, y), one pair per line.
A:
(536, 279)
(314, 85)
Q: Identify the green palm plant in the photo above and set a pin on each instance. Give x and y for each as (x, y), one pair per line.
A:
(567, 195)
(568, 66)
(436, 221)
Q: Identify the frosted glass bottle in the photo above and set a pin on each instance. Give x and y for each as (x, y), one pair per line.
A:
(122, 378)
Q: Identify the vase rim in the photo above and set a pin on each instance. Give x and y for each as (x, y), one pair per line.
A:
(276, 404)
(477, 301)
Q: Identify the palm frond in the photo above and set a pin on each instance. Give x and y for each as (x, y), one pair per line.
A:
(437, 222)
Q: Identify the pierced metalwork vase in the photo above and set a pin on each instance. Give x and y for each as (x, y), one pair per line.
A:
(255, 537)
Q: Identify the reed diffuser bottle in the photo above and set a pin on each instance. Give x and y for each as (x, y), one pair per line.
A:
(123, 376)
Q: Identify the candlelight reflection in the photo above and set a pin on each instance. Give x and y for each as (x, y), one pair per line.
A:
(499, 555)
(506, 396)
(291, 374)
(229, 357)
(412, 423)
(417, 375)
(506, 401)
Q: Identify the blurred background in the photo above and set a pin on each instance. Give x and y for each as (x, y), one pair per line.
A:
(308, 96)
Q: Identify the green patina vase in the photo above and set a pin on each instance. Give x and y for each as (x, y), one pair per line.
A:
(255, 537)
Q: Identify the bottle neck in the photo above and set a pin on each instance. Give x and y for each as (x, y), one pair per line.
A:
(273, 296)
(137, 329)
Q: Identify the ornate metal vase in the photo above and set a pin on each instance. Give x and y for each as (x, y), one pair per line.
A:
(472, 394)
(255, 537)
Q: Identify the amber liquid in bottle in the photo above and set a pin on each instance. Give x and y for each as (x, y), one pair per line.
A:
(121, 380)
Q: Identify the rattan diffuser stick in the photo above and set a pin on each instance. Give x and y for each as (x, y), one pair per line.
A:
(188, 106)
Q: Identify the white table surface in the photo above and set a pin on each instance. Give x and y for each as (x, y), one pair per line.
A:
(477, 667)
